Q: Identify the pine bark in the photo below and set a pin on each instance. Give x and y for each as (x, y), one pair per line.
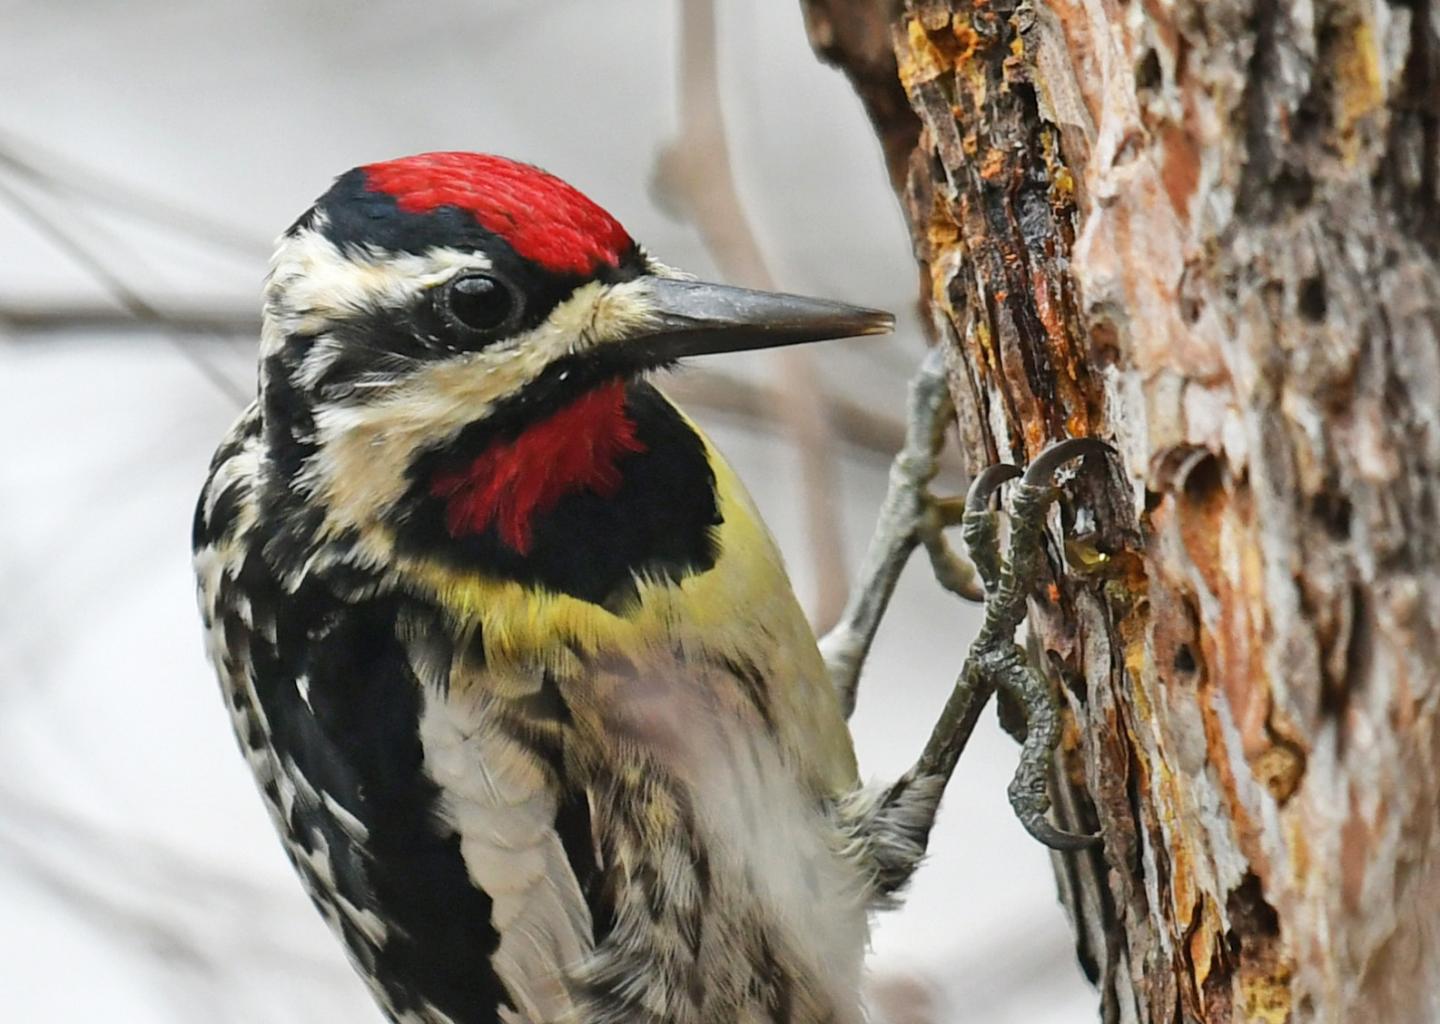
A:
(1209, 232)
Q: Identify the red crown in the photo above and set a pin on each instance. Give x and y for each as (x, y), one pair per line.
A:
(541, 217)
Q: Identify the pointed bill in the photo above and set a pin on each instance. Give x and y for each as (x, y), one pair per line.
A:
(692, 318)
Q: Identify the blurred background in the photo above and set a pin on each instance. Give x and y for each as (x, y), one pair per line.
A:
(148, 154)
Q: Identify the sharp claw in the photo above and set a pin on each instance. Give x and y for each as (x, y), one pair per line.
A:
(995, 663)
(1057, 839)
(1044, 465)
(987, 483)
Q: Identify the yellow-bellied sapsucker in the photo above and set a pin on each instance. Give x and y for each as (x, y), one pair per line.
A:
(512, 657)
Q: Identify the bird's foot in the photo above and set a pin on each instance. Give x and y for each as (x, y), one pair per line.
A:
(995, 661)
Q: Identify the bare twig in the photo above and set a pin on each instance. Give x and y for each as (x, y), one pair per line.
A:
(56, 176)
(212, 322)
(757, 406)
(694, 174)
(127, 297)
(873, 434)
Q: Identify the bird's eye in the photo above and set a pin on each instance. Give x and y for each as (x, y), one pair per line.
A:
(478, 304)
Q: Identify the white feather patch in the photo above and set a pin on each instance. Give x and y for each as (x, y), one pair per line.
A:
(499, 802)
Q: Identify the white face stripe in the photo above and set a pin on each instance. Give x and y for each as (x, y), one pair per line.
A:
(409, 404)
(312, 283)
(364, 448)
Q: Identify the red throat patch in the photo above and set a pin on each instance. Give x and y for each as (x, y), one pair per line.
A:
(541, 217)
(512, 483)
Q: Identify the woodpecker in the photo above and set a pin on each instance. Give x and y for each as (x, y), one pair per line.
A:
(512, 656)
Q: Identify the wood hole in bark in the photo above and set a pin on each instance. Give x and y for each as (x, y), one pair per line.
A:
(1336, 693)
(1292, 189)
(1280, 768)
(1256, 947)
(1104, 342)
(1073, 681)
(1311, 300)
(1148, 73)
(1136, 807)
(1173, 470)
(1333, 511)
(1361, 651)
(1251, 916)
(1202, 478)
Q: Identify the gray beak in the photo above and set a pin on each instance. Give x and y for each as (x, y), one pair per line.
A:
(694, 318)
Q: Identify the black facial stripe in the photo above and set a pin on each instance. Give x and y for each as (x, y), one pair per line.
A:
(661, 522)
(288, 412)
(385, 344)
(379, 341)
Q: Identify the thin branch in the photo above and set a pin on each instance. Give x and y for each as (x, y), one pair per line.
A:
(128, 298)
(875, 435)
(872, 434)
(215, 322)
(58, 177)
(695, 176)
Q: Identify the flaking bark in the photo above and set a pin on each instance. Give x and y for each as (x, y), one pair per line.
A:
(1208, 231)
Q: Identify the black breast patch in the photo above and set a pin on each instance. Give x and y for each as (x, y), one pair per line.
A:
(660, 523)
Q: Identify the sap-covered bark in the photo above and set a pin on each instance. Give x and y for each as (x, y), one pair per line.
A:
(1210, 233)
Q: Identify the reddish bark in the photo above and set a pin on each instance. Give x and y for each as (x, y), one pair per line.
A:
(1210, 233)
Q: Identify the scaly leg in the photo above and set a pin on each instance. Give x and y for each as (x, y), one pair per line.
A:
(995, 660)
(896, 826)
(909, 516)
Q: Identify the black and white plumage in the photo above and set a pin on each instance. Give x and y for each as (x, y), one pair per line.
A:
(512, 657)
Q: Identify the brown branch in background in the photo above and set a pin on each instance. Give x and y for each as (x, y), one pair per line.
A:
(75, 245)
(693, 175)
(52, 174)
(854, 36)
(81, 317)
(872, 434)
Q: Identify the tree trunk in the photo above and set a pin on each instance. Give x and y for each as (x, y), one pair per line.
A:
(1209, 232)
